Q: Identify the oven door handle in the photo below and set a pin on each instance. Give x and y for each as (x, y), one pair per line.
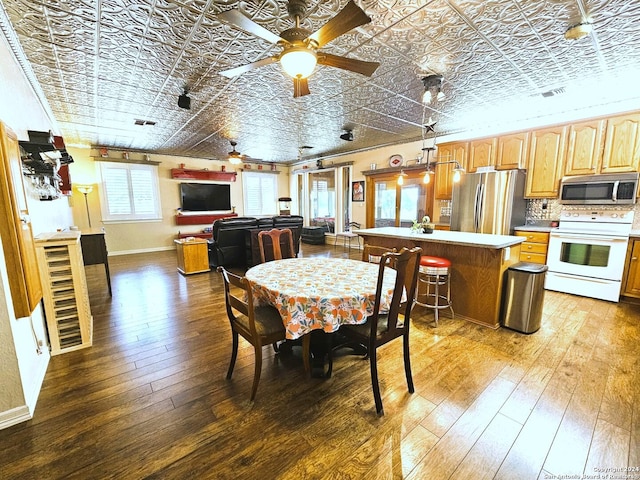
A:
(572, 277)
(563, 236)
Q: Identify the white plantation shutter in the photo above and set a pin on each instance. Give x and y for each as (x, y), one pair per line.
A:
(129, 191)
(260, 193)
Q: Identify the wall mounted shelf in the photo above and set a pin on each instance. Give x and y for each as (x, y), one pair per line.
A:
(185, 174)
(409, 168)
(201, 219)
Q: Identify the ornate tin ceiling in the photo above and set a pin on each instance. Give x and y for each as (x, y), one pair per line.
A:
(103, 64)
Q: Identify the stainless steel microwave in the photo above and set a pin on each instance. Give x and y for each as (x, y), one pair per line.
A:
(608, 189)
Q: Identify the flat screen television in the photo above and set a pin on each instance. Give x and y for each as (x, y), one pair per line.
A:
(205, 197)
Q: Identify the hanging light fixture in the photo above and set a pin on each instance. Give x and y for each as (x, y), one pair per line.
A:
(298, 61)
(427, 175)
(432, 89)
(457, 172)
(401, 177)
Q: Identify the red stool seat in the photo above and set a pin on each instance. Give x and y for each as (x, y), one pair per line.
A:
(436, 262)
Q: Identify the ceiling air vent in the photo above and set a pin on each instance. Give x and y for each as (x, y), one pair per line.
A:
(137, 121)
(553, 92)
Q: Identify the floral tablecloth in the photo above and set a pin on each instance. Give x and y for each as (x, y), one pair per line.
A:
(318, 293)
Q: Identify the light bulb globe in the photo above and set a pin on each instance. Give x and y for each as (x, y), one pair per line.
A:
(298, 62)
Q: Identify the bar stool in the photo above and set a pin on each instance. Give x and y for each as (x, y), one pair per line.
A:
(434, 273)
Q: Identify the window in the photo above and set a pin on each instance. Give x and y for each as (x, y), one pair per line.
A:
(260, 193)
(129, 192)
(322, 196)
(396, 205)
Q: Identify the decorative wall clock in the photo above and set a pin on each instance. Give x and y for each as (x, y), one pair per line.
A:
(395, 160)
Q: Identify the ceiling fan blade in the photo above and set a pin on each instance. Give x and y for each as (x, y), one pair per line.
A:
(300, 87)
(345, 63)
(234, 72)
(351, 16)
(236, 19)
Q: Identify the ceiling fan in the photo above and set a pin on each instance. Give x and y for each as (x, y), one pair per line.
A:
(300, 53)
(236, 158)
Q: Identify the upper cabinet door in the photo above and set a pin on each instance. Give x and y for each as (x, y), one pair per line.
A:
(546, 162)
(444, 173)
(449, 152)
(584, 147)
(512, 151)
(15, 228)
(622, 144)
(482, 153)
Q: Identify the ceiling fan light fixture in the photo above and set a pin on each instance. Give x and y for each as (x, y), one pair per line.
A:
(235, 159)
(298, 62)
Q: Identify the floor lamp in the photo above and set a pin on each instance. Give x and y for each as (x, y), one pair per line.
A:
(86, 190)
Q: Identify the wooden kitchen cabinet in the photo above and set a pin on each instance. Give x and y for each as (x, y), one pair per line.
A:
(622, 144)
(584, 148)
(534, 248)
(631, 277)
(15, 229)
(546, 162)
(444, 172)
(512, 151)
(482, 153)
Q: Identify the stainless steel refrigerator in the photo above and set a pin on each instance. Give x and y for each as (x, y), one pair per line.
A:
(489, 202)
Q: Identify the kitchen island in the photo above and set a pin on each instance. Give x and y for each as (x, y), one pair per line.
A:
(478, 263)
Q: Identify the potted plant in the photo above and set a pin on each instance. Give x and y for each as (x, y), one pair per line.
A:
(424, 226)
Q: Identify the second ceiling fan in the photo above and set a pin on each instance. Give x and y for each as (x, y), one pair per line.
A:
(300, 46)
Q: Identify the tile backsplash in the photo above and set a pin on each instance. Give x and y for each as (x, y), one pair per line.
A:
(542, 210)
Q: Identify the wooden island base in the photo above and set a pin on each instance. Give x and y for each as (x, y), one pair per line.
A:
(477, 269)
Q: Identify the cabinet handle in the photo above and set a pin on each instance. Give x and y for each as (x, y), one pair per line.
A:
(634, 258)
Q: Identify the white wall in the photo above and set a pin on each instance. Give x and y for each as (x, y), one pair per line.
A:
(22, 369)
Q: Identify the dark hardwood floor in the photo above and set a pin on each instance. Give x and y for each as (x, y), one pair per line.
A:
(150, 398)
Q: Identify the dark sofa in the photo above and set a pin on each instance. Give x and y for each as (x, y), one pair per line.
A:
(234, 241)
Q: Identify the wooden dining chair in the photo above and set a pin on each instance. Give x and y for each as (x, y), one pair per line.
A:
(386, 325)
(373, 253)
(259, 326)
(276, 247)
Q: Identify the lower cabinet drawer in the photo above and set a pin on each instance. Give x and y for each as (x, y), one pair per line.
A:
(540, 258)
(528, 247)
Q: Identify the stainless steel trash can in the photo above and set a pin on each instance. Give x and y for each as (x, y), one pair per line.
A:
(523, 297)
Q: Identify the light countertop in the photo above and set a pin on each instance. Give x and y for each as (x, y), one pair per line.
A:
(444, 236)
(534, 228)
